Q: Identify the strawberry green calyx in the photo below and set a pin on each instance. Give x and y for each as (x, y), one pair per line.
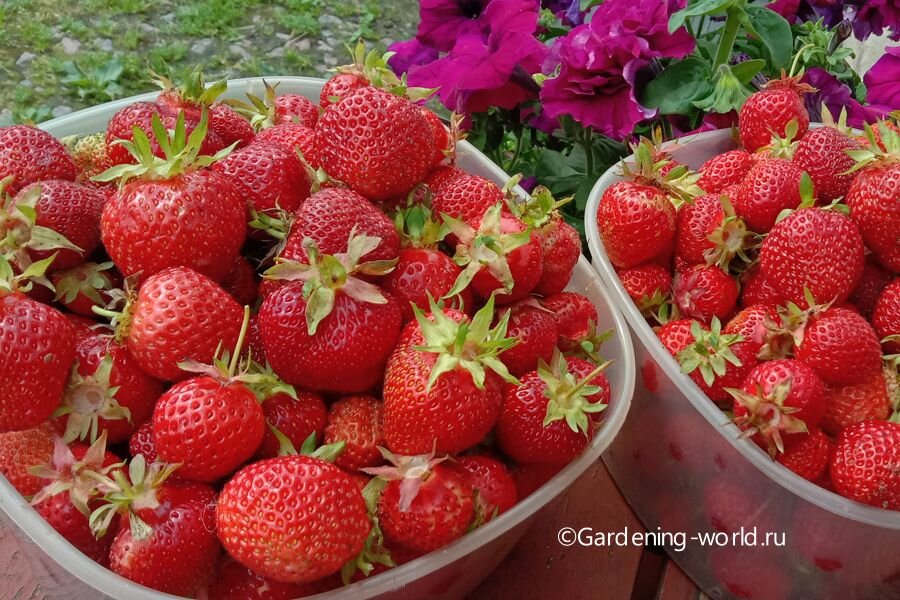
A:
(259, 111)
(373, 67)
(485, 248)
(418, 228)
(788, 332)
(373, 551)
(568, 397)
(891, 372)
(325, 275)
(767, 415)
(87, 399)
(182, 152)
(538, 209)
(129, 493)
(194, 88)
(120, 318)
(410, 471)
(588, 347)
(86, 279)
(883, 147)
(731, 238)
(783, 146)
(10, 281)
(840, 124)
(65, 474)
(711, 351)
(653, 167)
(471, 345)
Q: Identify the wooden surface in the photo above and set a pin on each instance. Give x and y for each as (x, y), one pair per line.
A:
(538, 568)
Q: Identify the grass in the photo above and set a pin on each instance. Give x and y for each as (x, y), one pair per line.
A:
(237, 38)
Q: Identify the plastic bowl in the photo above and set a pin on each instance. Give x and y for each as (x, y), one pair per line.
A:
(682, 466)
(451, 572)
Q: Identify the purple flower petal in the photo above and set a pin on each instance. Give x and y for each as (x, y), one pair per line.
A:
(409, 54)
(883, 80)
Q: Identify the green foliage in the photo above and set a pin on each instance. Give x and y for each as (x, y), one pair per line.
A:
(98, 84)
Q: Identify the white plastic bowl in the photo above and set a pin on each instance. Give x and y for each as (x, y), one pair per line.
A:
(681, 464)
(451, 572)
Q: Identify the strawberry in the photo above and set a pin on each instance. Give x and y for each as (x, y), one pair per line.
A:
(576, 324)
(420, 273)
(178, 314)
(807, 454)
(267, 175)
(535, 329)
(258, 509)
(815, 249)
(637, 223)
(779, 396)
(107, 391)
(708, 232)
(442, 385)
(328, 218)
(840, 345)
(21, 450)
(89, 154)
(141, 443)
(502, 254)
(886, 317)
(823, 154)
(234, 581)
(294, 108)
(705, 292)
(771, 186)
(356, 420)
(254, 341)
(730, 506)
(769, 111)
(866, 464)
(461, 195)
(679, 334)
(425, 504)
(341, 326)
(723, 170)
(872, 282)
(495, 488)
(88, 285)
(756, 289)
(293, 138)
(240, 282)
(377, 143)
(272, 110)
(295, 418)
(175, 213)
(171, 543)
(847, 405)
(750, 324)
(339, 87)
(37, 349)
(649, 286)
(551, 416)
(443, 140)
(28, 155)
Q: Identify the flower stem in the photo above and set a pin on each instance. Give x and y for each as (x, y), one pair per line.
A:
(729, 35)
(516, 154)
(588, 151)
(701, 26)
(237, 348)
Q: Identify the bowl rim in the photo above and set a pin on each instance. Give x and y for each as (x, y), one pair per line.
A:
(107, 582)
(806, 490)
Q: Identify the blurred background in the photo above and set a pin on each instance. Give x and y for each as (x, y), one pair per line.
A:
(57, 57)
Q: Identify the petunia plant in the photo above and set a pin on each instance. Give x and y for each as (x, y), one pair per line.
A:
(557, 88)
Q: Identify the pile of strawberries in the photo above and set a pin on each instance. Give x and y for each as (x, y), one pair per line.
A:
(267, 348)
(772, 277)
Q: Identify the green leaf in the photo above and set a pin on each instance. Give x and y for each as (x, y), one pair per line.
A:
(678, 86)
(747, 70)
(696, 9)
(774, 32)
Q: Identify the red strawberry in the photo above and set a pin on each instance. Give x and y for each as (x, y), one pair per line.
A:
(328, 218)
(866, 464)
(637, 223)
(495, 488)
(552, 415)
(708, 232)
(886, 317)
(420, 273)
(841, 346)
(535, 329)
(771, 186)
(750, 324)
(649, 286)
(705, 292)
(107, 391)
(240, 282)
(339, 87)
(723, 170)
(295, 418)
(293, 138)
(872, 282)
(501, 255)
(823, 154)
(769, 111)
(21, 450)
(254, 341)
(356, 420)
(847, 405)
(328, 329)
(171, 543)
(234, 581)
(807, 454)
(442, 386)
(443, 141)
(377, 143)
(178, 314)
(30, 155)
(677, 335)
(258, 509)
(141, 443)
(37, 348)
(461, 195)
(815, 249)
(88, 285)
(756, 289)
(175, 214)
(267, 176)
(425, 505)
(294, 108)
(576, 324)
(779, 396)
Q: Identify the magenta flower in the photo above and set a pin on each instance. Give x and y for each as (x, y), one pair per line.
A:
(410, 53)
(786, 8)
(443, 22)
(874, 16)
(836, 96)
(883, 81)
(599, 63)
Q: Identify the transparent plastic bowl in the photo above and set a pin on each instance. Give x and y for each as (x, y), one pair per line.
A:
(682, 466)
(451, 572)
